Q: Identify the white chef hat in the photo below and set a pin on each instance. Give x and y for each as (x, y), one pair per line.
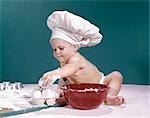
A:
(73, 29)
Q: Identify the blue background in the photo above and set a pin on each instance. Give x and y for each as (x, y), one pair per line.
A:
(24, 37)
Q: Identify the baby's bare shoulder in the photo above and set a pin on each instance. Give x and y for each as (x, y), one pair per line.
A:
(75, 58)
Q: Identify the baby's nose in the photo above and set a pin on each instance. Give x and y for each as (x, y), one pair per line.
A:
(57, 51)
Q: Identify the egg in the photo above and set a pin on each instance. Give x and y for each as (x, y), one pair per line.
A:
(37, 97)
(47, 93)
(50, 96)
(36, 94)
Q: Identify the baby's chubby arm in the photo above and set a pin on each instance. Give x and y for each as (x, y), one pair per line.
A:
(67, 70)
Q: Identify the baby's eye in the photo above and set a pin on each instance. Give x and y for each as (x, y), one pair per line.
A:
(54, 50)
(61, 48)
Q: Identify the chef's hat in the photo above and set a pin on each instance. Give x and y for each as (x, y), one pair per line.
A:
(73, 29)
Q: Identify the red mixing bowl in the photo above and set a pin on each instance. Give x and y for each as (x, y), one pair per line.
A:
(85, 96)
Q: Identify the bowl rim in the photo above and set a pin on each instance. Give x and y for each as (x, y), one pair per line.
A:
(92, 89)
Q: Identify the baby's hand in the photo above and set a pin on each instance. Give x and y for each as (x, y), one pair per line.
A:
(44, 81)
(47, 79)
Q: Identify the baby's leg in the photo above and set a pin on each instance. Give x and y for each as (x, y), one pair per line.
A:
(114, 81)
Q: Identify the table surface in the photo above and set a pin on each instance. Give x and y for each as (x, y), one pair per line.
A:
(137, 106)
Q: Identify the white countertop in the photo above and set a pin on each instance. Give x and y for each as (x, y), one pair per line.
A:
(137, 106)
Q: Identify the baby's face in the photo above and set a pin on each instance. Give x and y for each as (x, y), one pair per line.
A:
(62, 50)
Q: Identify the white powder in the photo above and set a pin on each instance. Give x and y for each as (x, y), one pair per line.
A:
(13, 100)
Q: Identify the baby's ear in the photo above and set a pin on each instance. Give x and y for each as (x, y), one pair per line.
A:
(76, 48)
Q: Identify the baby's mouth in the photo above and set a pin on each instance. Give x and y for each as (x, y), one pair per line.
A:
(59, 56)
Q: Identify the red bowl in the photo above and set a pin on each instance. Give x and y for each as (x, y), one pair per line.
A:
(85, 96)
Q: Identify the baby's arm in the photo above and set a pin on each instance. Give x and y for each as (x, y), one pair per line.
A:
(67, 70)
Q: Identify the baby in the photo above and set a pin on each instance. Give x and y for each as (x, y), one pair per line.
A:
(69, 33)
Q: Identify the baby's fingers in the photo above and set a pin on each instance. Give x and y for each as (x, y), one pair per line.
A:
(45, 81)
(47, 84)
